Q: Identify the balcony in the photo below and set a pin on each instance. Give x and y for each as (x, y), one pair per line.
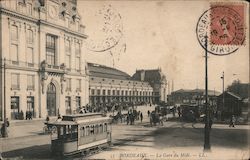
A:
(19, 64)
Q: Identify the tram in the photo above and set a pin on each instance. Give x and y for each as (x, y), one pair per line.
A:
(80, 133)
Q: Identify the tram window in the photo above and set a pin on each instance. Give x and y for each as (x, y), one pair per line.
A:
(82, 132)
(96, 129)
(87, 131)
(73, 129)
(61, 131)
(92, 130)
(105, 127)
(100, 128)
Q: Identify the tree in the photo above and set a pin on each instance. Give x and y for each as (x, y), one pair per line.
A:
(238, 88)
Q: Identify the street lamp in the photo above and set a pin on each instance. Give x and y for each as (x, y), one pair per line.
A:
(223, 95)
(207, 110)
(4, 132)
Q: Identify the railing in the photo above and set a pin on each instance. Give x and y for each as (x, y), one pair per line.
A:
(19, 64)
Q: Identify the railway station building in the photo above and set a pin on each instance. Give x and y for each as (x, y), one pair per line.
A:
(42, 58)
(108, 85)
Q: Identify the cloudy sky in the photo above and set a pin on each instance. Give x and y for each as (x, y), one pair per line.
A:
(161, 34)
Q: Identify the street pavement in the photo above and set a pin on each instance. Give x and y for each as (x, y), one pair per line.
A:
(173, 140)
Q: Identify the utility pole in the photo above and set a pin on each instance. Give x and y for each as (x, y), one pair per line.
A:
(4, 132)
(223, 95)
(207, 121)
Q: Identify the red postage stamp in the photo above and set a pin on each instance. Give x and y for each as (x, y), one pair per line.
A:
(227, 24)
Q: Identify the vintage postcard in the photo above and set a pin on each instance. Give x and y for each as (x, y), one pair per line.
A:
(124, 79)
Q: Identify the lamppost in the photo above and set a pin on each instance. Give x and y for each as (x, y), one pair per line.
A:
(223, 90)
(207, 121)
(4, 132)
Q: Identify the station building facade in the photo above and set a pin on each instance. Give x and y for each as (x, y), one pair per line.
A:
(42, 58)
(108, 85)
(157, 80)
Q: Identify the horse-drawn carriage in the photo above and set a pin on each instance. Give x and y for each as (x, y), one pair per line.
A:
(156, 118)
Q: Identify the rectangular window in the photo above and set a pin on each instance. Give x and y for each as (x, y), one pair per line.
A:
(29, 9)
(113, 92)
(14, 108)
(78, 84)
(14, 33)
(68, 84)
(30, 82)
(78, 56)
(68, 105)
(92, 92)
(30, 106)
(98, 92)
(51, 50)
(104, 92)
(14, 52)
(109, 92)
(30, 36)
(68, 54)
(30, 55)
(78, 101)
(15, 81)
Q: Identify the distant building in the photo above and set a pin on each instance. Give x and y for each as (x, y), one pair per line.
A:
(233, 105)
(195, 96)
(157, 80)
(110, 85)
(41, 58)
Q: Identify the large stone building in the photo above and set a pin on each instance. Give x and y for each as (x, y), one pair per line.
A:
(42, 58)
(109, 85)
(192, 96)
(157, 80)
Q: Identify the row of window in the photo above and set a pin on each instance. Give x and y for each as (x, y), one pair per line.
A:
(68, 104)
(93, 129)
(51, 49)
(19, 5)
(117, 92)
(15, 107)
(15, 81)
(77, 83)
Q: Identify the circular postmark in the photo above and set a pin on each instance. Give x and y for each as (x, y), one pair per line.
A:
(107, 31)
(224, 27)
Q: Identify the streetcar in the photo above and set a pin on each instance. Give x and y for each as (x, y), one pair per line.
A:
(80, 133)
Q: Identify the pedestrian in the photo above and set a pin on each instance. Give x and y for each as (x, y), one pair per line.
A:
(127, 119)
(47, 119)
(141, 117)
(148, 113)
(232, 121)
(26, 115)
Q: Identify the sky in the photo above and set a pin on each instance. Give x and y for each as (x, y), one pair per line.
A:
(161, 34)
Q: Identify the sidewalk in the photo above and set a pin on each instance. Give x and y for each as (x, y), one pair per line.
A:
(34, 127)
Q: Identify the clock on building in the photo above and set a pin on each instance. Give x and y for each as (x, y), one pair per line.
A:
(107, 30)
(52, 11)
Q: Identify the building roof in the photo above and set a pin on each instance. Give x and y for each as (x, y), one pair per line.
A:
(202, 91)
(97, 70)
(152, 76)
(232, 94)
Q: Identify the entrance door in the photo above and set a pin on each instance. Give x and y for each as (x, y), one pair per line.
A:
(51, 100)
(14, 108)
